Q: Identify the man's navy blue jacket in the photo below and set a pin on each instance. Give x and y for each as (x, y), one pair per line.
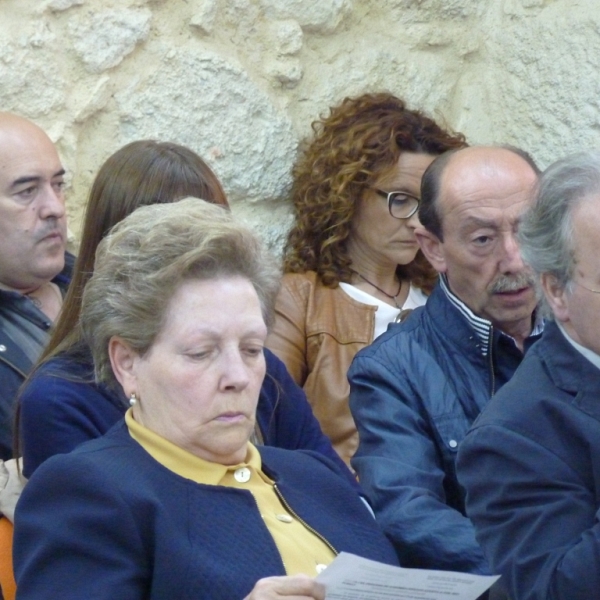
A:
(531, 468)
(414, 393)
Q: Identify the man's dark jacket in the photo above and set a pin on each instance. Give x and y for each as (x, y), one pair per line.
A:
(14, 364)
(531, 468)
(414, 394)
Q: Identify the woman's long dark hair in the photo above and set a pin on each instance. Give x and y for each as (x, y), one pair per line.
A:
(141, 173)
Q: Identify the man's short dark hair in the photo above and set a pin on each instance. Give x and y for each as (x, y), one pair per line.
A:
(430, 188)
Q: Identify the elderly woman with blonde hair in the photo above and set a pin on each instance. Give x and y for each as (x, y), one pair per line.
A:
(175, 501)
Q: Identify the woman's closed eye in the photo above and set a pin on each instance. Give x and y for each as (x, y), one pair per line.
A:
(399, 199)
(200, 354)
(253, 350)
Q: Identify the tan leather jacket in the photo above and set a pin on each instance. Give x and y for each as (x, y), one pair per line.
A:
(317, 332)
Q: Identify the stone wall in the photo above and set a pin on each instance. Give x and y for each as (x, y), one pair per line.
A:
(240, 81)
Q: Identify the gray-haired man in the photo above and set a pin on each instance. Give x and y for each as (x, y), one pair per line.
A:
(531, 463)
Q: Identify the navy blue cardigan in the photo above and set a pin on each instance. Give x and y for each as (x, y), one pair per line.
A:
(107, 521)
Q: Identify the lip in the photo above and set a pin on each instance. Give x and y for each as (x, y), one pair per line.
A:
(516, 295)
(231, 417)
(53, 237)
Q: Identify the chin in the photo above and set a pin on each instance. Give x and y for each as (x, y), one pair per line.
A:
(49, 269)
(232, 440)
(231, 455)
(405, 258)
(514, 315)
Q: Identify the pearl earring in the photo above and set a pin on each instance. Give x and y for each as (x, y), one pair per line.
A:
(132, 399)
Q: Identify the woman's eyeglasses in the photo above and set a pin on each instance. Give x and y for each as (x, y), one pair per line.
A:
(401, 205)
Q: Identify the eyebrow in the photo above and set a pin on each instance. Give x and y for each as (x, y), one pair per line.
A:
(479, 223)
(34, 178)
(401, 189)
(210, 332)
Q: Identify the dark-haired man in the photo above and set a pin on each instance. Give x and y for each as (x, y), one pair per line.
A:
(416, 391)
(33, 277)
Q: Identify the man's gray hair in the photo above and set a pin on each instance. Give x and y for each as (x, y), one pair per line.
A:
(546, 232)
(147, 256)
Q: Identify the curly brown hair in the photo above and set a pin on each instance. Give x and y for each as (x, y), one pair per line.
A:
(359, 140)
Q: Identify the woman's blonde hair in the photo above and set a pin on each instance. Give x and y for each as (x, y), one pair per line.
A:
(148, 255)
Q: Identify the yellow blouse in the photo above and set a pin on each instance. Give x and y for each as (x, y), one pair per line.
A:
(301, 549)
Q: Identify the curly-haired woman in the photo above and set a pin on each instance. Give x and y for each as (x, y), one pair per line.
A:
(352, 262)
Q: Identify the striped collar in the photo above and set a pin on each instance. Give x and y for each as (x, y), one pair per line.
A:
(482, 327)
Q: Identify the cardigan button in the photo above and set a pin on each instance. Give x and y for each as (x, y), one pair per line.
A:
(2, 348)
(452, 443)
(242, 475)
(284, 518)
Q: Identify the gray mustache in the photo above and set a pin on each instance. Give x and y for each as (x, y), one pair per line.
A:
(52, 226)
(512, 283)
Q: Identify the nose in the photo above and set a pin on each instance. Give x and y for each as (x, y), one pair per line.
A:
(413, 221)
(235, 374)
(511, 261)
(52, 202)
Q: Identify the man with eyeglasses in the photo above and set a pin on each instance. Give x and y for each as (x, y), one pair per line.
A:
(531, 463)
(416, 391)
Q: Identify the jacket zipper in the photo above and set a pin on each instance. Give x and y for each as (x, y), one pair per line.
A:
(490, 353)
(313, 531)
(13, 367)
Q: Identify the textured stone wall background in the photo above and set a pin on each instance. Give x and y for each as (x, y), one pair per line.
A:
(240, 81)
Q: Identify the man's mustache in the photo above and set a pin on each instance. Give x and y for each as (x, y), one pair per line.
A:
(52, 226)
(512, 283)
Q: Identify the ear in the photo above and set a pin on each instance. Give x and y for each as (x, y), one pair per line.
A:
(556, 296)
(123, 359)
(432, 248)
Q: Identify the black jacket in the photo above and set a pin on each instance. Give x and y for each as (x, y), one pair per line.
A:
(14, 364)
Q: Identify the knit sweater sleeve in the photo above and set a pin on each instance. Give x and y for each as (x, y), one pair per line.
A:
(58, 413)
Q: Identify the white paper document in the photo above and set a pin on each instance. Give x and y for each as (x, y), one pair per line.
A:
(351, 577)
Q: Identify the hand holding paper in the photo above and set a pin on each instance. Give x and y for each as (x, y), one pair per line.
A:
(350, 577)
